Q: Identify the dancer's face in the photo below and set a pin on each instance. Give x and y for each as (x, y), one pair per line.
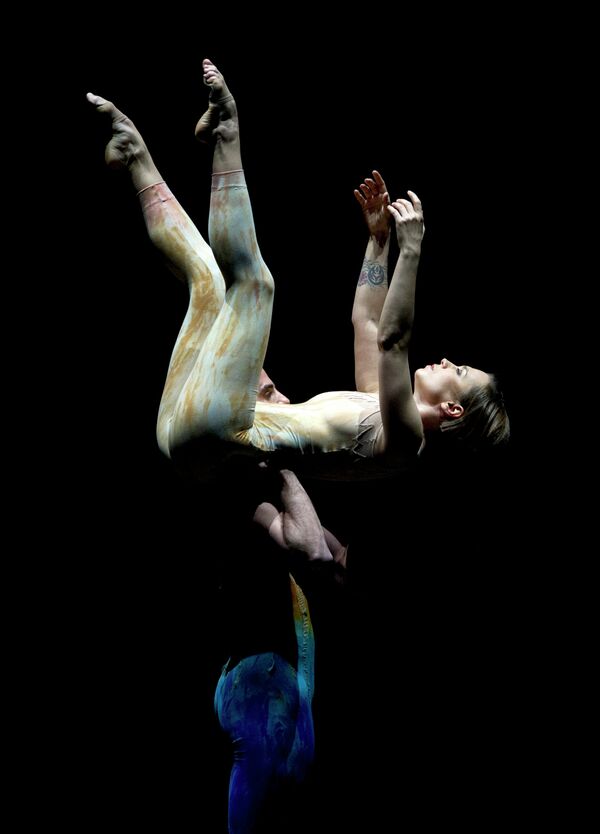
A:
(267, 392)
(447, 382)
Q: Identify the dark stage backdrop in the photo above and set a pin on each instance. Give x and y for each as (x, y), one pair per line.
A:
(426, 659)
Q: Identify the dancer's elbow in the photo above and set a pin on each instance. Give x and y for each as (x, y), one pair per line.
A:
(393, 338)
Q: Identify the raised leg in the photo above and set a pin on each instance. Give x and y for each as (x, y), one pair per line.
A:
(186, 252)
(191, 258)
(219, 396)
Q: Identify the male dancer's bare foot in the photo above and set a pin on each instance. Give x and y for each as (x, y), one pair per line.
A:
(126, 149)
(220, 120)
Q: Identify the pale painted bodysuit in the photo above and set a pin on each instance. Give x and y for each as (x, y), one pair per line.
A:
(209, 412)
(332, 435)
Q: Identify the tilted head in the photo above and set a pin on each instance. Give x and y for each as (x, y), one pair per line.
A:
(267, 392)
(462, 402)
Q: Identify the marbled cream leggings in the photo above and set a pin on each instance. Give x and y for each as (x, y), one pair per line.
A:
(213, 375)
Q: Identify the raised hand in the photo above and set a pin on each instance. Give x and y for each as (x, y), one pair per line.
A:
(410, 228)
(374, 199)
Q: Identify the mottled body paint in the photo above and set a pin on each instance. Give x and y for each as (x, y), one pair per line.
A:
(209, 413)
(264, 705)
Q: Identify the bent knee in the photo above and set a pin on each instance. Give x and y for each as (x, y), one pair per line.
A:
(248, 272)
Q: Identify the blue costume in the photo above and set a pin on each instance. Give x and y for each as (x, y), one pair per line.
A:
(264, 704)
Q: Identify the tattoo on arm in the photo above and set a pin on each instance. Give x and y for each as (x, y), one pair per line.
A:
(373, 274)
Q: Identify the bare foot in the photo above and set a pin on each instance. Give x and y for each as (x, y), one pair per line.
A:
(220, 120)
(126, 148)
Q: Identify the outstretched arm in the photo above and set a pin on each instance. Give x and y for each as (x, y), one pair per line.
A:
(401, 418)
(372, 283)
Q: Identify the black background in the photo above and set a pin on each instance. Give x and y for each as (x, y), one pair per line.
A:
(427, 696)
